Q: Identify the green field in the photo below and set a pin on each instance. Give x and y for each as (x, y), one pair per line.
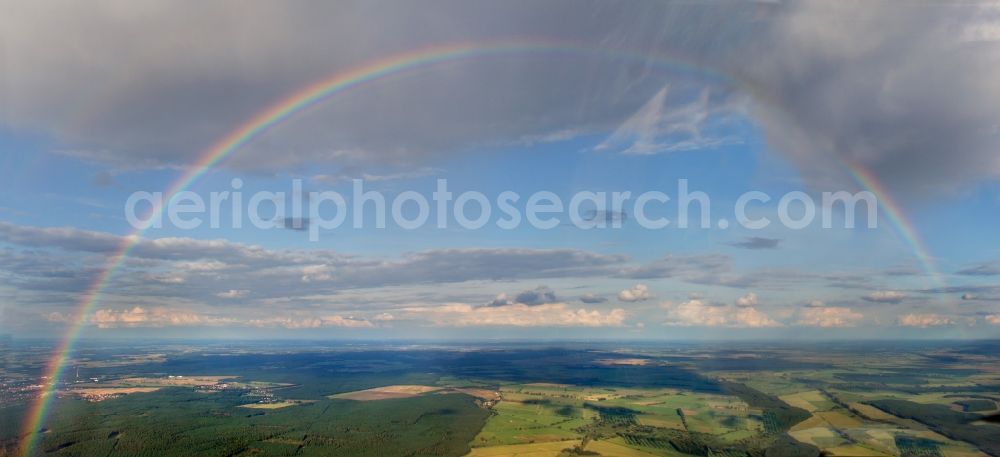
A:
(531, 402)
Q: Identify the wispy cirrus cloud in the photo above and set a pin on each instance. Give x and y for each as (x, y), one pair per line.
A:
(656, 128)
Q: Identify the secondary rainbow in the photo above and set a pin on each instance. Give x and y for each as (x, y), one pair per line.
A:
(310, 96)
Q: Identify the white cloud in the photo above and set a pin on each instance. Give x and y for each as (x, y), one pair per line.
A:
(233, 293)
(316, 273)
(301, 322)
(501, 300)
(833, 316)
(750, 299)
(656, 129)
(518, 315)
(697, 313)
(638, 292)
(924, 320)
(138, 316)
(167, 278)
(341, 321)
(156, 317)
(287, 322)
(885, 296)
(201, 266)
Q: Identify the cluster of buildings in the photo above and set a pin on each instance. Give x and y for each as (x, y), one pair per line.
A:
(13, 391)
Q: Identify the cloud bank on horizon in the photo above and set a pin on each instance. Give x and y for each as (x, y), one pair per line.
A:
(192, 283)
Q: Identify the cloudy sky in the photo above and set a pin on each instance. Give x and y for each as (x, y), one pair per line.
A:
(102, 100)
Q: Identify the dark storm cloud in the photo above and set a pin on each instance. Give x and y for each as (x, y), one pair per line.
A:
(885, 296)
(540, 295)
(906, 90)
(756, 242)
(877, 84)
(537, 296)
(160, 82)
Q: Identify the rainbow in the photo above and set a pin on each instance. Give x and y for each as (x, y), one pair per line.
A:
(311, 96)
(259, 124)
(893, 212)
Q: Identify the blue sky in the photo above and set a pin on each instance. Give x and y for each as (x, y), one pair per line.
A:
(73, 149)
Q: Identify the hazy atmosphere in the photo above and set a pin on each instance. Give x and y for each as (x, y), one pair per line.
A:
(487, 228)
(100, 101)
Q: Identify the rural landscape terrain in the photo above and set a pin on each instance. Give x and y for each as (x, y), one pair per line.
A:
(358, 399)
(489, 228)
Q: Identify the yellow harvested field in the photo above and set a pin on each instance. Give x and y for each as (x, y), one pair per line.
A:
(176, 381)
(93, 393)
(386, 392)
(277, 405)
(853, 451)
(872, 412)
(805, 400)
(624, 362)
(484, 394)
(609, 449)
(812, 422)
(550, 449)
(881, 434)
(840, 420)
(932, 435)
(951, 451)
(408, 389)
(673, 422)
(811, 435)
